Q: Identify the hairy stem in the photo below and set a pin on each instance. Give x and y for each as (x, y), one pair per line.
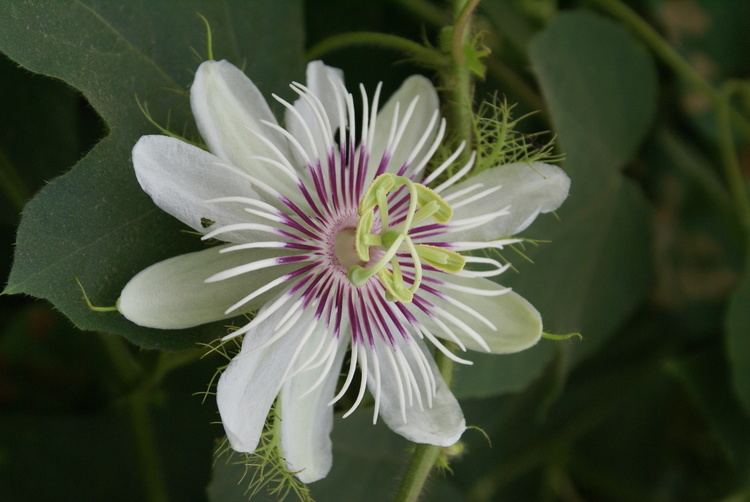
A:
(458, 83)
(425, 455)
(458, 78)
(420, 53)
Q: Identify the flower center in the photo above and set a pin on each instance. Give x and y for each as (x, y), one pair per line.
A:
(394, 235)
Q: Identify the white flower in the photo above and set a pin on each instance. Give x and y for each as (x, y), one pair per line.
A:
(334, 236)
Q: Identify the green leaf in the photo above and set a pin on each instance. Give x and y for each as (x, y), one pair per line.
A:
(94, 223)
(493, 374)
(738, 339)
(600, 85)
(705, 377)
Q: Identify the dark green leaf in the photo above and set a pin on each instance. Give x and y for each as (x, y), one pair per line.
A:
(94, 223)
(494, 374)
(600, 85)
(705, 377)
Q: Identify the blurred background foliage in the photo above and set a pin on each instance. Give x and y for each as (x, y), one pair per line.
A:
(647, 261)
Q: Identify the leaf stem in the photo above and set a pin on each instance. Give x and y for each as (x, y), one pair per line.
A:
(420, 53)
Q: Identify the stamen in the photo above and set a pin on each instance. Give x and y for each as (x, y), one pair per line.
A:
(423, 203)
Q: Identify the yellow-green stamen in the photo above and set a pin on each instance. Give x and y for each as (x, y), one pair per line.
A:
(423, 203)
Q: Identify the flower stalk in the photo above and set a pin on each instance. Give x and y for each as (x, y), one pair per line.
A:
(422, 54)
(459, 86)
(425, 456)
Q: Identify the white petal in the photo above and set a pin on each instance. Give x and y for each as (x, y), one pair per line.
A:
(427, 105)
(319, 78)
(180, 178)
(441, 425)
(517, 324)
(251, 382)
(307, 420)
(227, 107)
(172, 294)
(528, 188)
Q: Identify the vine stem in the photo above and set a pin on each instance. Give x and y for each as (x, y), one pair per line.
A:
(668, 55)
(725, 115)
(425, 55)
(458, 83)
(458, 78)
(131, 373)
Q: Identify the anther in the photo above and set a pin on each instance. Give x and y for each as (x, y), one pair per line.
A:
(423, 203)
